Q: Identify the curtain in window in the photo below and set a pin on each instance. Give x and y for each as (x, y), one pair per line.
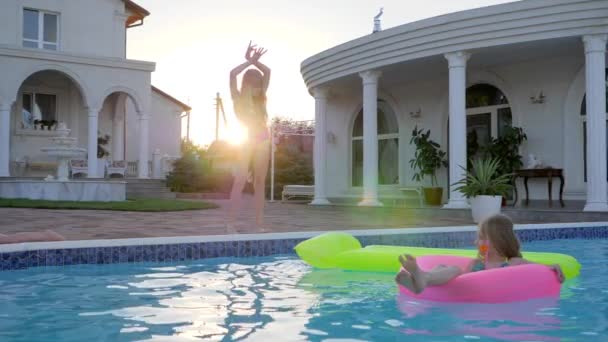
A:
(47, 105)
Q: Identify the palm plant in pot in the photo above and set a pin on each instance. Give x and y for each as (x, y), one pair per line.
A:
(485, 186)
(428, 158)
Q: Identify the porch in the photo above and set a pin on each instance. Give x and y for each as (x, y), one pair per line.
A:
(105, 103)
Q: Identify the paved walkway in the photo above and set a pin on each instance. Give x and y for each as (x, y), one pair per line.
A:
(94, 224)
(91, 224)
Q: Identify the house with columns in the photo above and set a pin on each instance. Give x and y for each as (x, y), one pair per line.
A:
(535, 64)
(65, 62)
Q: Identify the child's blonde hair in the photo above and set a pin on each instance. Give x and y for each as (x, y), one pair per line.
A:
(498, 229)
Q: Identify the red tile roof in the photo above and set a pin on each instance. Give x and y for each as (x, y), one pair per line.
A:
(137, 12)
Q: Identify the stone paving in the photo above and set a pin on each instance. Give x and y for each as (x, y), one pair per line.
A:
(287, 217)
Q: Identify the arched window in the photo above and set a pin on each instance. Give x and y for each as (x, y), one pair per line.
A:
(584, 118)
(488, 114)
(388, 147)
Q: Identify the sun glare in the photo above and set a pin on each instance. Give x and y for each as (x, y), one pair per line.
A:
(235, 134)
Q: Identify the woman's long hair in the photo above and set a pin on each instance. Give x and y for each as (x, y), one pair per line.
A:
(248, 102)
(498, 229)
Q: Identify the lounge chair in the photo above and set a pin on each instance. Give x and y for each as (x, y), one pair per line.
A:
(79, 166)
(291, 191)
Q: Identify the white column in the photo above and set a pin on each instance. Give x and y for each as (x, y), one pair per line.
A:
(118, 139)
(118, 128)
(92, 143)
(5, 139)
(595, 64)
(156, 164)
(370, 138)
(142, 167)
(457, 62)
(320, 154)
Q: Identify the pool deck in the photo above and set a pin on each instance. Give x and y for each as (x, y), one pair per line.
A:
(280, 217)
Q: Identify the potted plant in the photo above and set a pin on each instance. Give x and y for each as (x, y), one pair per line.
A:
(428, 158)
(485, 187)
(102, 153)
(506, 150)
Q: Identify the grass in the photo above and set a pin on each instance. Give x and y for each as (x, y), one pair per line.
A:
(150, 205)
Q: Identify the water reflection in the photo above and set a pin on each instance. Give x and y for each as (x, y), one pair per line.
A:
(231, 302)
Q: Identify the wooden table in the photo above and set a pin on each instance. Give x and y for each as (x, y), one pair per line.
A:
(548, 173)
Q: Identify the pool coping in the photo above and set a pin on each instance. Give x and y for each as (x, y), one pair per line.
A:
(174, 240)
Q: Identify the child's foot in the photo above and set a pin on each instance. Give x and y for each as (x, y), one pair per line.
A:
(418, 277)
(404, 279)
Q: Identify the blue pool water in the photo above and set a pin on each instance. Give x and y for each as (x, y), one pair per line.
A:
(282, 299)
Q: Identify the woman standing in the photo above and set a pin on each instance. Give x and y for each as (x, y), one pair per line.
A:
(250, 109)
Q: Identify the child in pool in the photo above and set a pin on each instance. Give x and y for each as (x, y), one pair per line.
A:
(498, 246)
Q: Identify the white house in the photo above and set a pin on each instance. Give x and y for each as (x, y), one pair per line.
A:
(534, 59)
(65, 61)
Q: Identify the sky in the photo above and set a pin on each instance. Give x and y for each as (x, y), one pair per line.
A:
(195, 44)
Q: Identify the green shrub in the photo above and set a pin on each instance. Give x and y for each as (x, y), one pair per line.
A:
(193, 172)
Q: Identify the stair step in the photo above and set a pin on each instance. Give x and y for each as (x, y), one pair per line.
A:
(164, 196)
(148, 188)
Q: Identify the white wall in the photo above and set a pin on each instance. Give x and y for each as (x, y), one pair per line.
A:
(88, 27)
(165, 126)
(543, 123)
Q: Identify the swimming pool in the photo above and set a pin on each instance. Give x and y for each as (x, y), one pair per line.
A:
(281, 298)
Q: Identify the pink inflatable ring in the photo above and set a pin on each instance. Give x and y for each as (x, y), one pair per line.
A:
(498, 285)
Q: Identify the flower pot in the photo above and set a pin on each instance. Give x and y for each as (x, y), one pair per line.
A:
(433, 196)
(484, 206)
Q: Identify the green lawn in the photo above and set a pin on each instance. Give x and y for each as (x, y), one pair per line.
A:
(129, 205)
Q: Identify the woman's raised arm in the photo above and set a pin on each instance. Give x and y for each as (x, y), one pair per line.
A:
(249, 53)
(255, 60)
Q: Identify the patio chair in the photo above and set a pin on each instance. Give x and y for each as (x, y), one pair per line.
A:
(117, 167)
(79, 166)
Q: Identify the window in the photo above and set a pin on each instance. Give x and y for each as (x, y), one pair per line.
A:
(40, 29)
(38, 107)
(488, 116)
(388, 147)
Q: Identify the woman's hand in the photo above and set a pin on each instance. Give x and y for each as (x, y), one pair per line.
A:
(250, 52)
(257, 53)
(558, 271)
(253, 54)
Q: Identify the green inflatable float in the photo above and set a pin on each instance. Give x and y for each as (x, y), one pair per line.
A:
(341, 250)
